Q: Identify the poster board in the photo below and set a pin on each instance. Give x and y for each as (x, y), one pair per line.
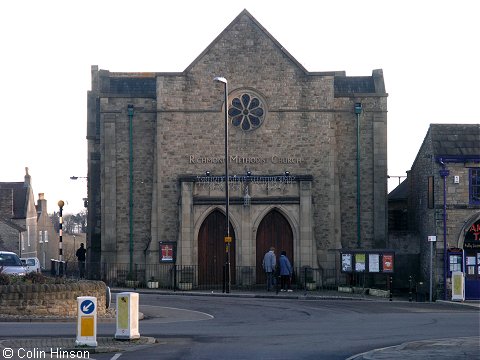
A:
(347, 262)
(167, 251)
(368, 261)
(374, 263)
(387, 260)
(360, 262)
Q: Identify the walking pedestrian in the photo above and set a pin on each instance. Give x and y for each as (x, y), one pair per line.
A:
(286, 272)
(269, 265)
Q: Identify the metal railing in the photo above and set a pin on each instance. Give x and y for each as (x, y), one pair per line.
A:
(192, 277)
(249, 278)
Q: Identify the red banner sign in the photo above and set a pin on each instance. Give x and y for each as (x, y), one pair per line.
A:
(387, 263)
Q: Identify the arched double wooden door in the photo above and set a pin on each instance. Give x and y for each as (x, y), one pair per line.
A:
(211, 250)
(274, 230)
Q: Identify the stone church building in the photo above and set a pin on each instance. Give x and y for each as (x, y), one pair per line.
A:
(156, 160)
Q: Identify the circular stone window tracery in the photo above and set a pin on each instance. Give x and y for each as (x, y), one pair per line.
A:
(246, 111)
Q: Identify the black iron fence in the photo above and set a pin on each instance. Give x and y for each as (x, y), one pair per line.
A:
(191, 277)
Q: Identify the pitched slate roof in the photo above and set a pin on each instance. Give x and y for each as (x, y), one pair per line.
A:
(354, 84)
(399, 193)
(455, 140)
(13, 225)
(19, 198)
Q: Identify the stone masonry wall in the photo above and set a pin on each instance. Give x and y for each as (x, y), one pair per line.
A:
(50, 299)
(430, 221)
(303, 121)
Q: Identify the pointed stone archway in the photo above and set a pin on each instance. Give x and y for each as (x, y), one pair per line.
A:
(211, 249)
(274, 230)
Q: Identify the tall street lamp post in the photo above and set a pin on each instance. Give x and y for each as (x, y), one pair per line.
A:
(227, 239)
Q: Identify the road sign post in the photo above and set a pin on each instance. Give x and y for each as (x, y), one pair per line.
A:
(127, 316)
(86, 321)
(431, 239)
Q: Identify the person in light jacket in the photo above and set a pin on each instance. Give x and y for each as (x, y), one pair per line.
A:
(286, 272)
(269, 265)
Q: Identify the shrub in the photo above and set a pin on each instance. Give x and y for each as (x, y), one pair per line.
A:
(35, 278)
(4, 279)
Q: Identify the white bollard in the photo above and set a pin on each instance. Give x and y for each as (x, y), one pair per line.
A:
(127, 316)
(86, 321)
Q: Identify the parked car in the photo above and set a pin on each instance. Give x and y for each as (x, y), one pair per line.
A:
(31, 264)
(11, 264)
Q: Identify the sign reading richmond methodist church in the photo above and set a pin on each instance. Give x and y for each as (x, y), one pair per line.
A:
(274, 159)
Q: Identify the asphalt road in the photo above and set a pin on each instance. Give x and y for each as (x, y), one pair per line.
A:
(201, 327)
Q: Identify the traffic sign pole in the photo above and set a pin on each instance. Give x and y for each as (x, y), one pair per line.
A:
(431, 239)
(86, 321)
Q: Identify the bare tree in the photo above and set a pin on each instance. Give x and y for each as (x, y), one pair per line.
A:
(72, 223)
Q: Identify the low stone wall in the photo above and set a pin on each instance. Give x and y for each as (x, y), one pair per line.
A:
(50, 299)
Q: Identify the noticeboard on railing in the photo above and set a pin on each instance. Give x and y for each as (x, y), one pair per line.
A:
(167, 251)
(369, 261)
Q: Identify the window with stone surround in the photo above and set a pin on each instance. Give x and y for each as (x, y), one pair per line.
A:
(474, 186)
(246, 111)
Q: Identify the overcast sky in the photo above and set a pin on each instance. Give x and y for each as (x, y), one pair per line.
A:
(428, 50)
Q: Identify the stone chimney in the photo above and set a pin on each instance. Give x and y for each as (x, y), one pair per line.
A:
(28, 180)
(42, 203)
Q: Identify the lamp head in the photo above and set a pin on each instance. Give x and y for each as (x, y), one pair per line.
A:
(358, 108)
(220, 79)
(130, 110)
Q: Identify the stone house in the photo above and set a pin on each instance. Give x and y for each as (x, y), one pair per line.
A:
(443, 200)
(18, 217)
(47, 246)
(157, 156)
(26, 228)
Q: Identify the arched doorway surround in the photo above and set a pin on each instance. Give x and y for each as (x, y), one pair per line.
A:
(469, 243)
(211, 249)
(198, 202)
(273, 230)
(468, 223)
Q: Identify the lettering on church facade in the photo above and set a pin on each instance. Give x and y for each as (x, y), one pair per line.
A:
(237, 159)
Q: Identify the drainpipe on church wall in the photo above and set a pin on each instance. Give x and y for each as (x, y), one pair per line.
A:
(130, 197)
(444, 173)
(358, 112)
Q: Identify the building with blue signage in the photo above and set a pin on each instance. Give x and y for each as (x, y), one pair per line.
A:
(441, 197)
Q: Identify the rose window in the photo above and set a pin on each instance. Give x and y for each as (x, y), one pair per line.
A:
(246, 112)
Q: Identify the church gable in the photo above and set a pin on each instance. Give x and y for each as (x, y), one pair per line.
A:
(245, 46)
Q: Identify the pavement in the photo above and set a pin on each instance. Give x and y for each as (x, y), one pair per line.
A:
(451, 348)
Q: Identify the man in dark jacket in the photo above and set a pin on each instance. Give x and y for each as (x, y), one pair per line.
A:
(81, 255)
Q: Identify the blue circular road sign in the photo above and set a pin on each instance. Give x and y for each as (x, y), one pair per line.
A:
(87, 306)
